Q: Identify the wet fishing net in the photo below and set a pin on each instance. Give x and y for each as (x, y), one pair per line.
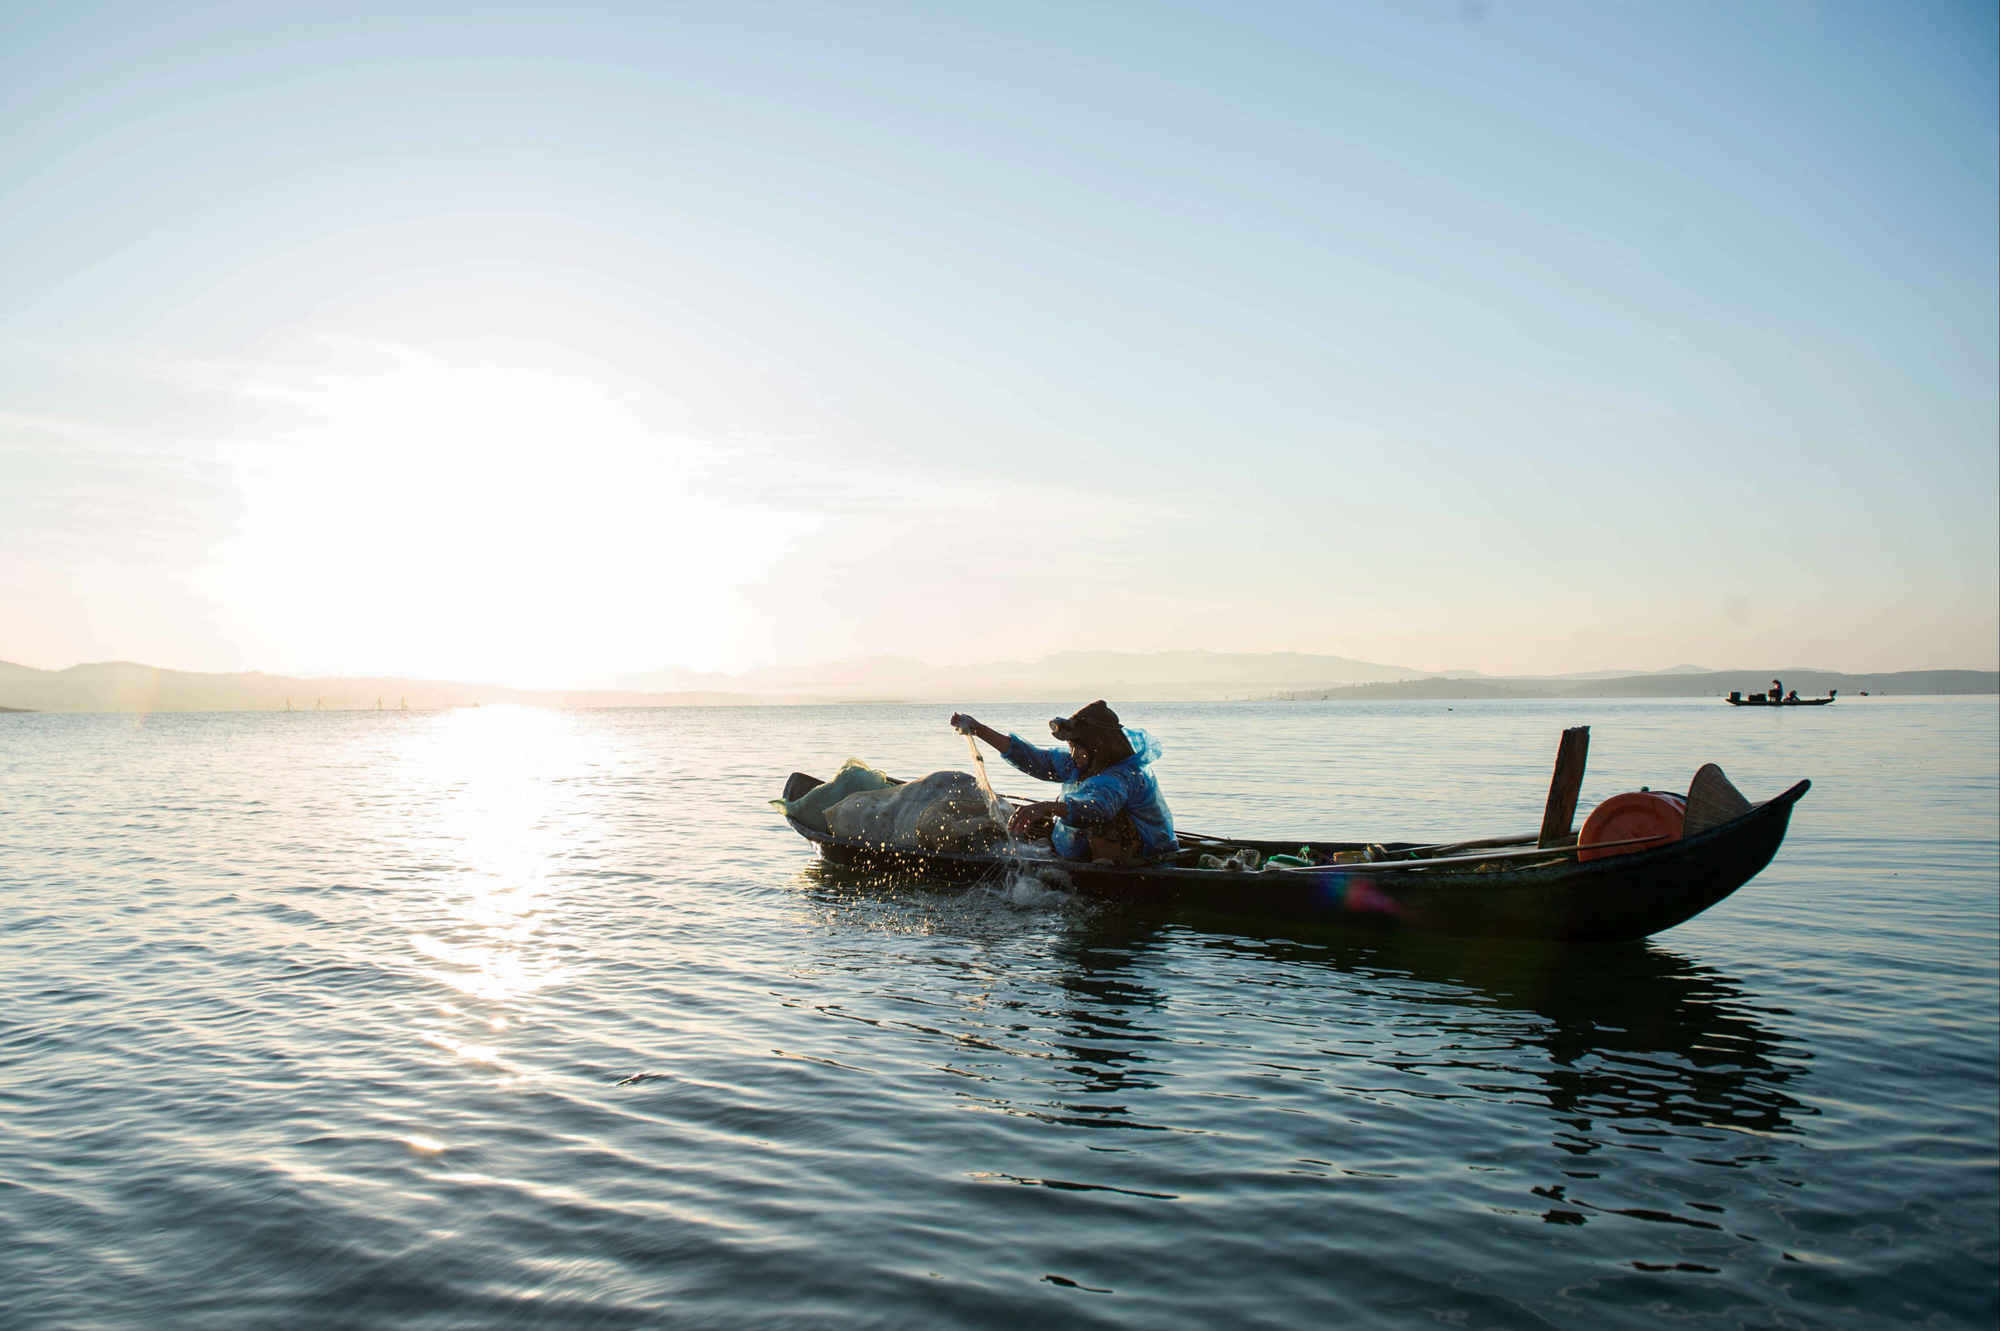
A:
(853, 778)
(945, 811)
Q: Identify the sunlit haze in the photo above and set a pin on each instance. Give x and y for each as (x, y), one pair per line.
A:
(537, 345)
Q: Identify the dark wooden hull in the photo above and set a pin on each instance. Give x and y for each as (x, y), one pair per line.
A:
(1766, 702)
(1620, 897)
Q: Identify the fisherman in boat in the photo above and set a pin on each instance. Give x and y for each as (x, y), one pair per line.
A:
(1111, 807)
(1777, 691)
(1793, 696)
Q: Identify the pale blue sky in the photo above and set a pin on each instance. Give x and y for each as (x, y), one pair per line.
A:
(533, 343)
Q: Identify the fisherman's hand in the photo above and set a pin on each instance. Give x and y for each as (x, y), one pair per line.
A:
(1033, 821)
(964, 724)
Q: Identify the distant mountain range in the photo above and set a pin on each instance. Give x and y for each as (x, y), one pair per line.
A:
(1708, 683)
(1586, 674)
(1130, 674)
(1068, 677)
(126, 686)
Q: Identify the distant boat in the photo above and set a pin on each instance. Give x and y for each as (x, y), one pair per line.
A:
(1762, 700)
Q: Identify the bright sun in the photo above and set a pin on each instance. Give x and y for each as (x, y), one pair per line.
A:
(491, 520)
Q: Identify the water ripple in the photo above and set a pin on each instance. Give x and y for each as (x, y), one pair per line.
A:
(505, 1018)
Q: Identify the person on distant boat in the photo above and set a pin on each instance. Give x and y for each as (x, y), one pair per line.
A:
(1111, 807)
(1793, 696)
(1777, 691)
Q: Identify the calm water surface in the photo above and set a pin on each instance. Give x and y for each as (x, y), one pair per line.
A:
(519, 1018)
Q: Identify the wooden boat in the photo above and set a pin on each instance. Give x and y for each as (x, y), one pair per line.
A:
(1760, 700)
(1471, 889)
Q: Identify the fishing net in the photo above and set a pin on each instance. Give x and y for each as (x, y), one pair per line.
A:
(810, 808)
(945, 811)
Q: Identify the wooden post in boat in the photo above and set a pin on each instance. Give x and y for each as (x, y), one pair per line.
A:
(1559, 814)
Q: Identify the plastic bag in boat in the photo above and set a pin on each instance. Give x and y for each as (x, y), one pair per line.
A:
(945, 811)
(810, 808)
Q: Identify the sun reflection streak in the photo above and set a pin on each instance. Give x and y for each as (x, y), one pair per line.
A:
(496, 820)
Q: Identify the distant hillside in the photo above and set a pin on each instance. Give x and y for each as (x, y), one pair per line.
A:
(125, 686)
(1709, 684)
(1580, 674)
(1809, 683)
(1083, 675)
(1437, 688)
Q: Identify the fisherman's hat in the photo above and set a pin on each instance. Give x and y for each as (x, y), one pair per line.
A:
(1098, 728)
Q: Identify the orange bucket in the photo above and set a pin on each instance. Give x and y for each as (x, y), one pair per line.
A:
(1639, 813)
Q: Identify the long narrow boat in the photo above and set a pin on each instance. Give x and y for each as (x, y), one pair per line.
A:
(1762, 700)
(1494, 893)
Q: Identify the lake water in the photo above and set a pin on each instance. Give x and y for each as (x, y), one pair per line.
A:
(545, 1019)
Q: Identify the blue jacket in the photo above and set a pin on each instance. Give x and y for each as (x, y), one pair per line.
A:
(1089, 806)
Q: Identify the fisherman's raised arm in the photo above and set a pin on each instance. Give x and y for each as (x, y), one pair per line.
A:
(968, 725)
(1042, 764)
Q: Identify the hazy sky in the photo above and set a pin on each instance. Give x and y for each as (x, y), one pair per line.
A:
(532, 343)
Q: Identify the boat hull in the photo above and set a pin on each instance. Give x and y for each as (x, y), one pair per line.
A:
(1619, 897)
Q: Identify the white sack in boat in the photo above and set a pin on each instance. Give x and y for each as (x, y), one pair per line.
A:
(944, 811)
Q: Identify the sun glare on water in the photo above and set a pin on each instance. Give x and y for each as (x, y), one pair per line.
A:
(497, 827)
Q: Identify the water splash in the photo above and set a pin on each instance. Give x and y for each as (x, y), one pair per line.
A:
(1034, 887)
(1021, 883)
